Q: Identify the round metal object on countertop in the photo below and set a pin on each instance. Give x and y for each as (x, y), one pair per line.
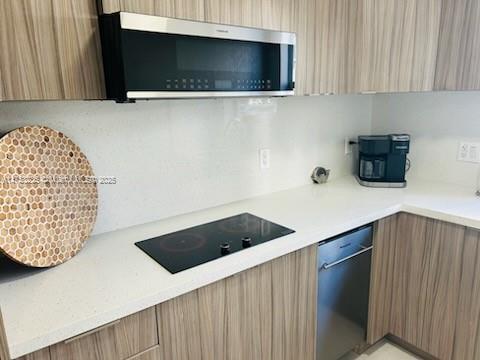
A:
(48, 197)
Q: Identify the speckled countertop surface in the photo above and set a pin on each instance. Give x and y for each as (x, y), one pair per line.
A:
(111, 278)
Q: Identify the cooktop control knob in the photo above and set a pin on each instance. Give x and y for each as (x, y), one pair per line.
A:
(225, 248)
(246, 242)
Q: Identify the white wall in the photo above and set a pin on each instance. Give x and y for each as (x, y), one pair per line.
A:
(437, 123)
(172, 157)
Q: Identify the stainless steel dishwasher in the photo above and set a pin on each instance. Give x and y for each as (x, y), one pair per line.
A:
(343, 287)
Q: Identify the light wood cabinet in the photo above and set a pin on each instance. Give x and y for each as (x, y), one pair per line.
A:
(232, 12)
(149, 354)
(459, 46)
(268, 14)
(182, 9)
(43, 354)
(467, 331)
(50, 50)
(399, 45)
(267, 312)
(337, 27)
(116, 341)
(428, 262)
(382, 278)
(4, 352)
(424, 287)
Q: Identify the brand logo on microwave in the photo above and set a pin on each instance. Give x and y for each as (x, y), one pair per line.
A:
(222, 31)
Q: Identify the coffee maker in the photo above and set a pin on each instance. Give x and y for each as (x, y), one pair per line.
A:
(383, 160)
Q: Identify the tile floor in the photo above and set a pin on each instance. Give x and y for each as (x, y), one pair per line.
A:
(384, 350)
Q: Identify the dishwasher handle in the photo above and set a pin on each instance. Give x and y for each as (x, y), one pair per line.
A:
(328, 266)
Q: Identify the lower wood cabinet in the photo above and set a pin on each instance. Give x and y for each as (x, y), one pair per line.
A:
(467, 328)
(116, 341)
(425, 286)
(43, 354)
(267, 312)
(4, 355)
(149, 354)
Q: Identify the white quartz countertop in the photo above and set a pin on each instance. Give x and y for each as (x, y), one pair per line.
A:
(111, 278)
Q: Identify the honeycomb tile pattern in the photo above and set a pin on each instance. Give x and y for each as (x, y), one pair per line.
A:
(48, 197)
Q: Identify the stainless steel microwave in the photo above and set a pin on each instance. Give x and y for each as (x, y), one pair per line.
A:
(148, 57)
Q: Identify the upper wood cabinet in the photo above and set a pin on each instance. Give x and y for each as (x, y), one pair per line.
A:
(182, 9)
(268, 14)
(459, 46)
(399, 45)
(50, 50)
(234, 12)
(336, 50)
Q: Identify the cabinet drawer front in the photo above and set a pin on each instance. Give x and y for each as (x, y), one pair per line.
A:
(43, 354)
(118, 340)
(150, 354)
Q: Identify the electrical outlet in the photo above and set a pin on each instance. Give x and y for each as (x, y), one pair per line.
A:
(463, 151)
(348, 147)
(264, 158)
(474, 153)
(469, 152)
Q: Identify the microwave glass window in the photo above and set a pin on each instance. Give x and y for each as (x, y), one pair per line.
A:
(197, 54)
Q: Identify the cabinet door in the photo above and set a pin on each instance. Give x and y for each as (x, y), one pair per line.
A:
(382, 275)
(50, 50)
(459, 46)
(116, 341)
(400, 39)
(267, 312)
(428, 263)
(467, 333)
(294, 299)
(183, 9)
(337, 29)
(416, 299)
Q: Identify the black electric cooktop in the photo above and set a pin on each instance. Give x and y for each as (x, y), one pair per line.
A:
(187, 248)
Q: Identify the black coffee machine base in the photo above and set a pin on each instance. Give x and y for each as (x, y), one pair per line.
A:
(376, 184)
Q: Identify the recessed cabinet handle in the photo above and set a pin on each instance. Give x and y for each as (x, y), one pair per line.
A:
(328, 266)
(68, 341)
